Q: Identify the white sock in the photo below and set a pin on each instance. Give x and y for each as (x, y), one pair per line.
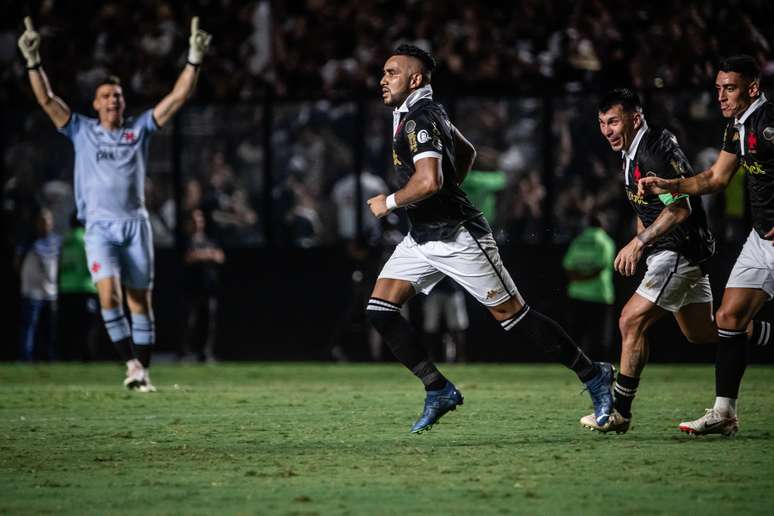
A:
(725, 406)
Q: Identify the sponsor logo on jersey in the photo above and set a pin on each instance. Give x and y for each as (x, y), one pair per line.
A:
(111, 154)
(437, 138)
(412, 139)
(636, 199)
(754, 168)
(395, 160)
(423, 136)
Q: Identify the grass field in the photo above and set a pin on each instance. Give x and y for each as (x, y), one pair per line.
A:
(333, 439)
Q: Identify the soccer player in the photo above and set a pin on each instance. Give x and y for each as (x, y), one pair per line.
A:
(111, 154)
(748, 143)
(672, 236)
(449, 237)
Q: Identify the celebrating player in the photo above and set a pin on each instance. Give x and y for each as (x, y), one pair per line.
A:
(672, 235)
(449, 237)
(748, 143)
(111, 155)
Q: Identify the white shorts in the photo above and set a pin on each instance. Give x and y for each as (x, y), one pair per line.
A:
(672, 282)
(754, 268)
(475, 265)
(449, 306)
(123, 249)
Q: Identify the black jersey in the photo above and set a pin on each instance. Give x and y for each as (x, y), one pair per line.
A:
(751, 138)
(658, 154)
(425, 131)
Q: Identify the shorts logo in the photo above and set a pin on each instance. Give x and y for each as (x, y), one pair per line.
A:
(492, 293)
(95, 267)
(423, 136)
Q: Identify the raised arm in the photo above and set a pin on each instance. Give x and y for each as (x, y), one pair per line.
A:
(465, 155)
(55, 108)
(714, 179)
(185, 84)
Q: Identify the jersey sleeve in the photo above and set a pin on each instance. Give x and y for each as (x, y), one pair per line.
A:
(731, 139)
(73, 126)
(423, 137)
(669, 162)
(146, 122)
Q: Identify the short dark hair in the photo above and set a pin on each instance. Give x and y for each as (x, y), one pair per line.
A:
(629, 101)
(424, 57)
(742, 64)
(108, 79)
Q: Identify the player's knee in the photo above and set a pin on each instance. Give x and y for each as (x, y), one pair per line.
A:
(631, 322)
(382, 314)
(507, 309)
(730, 319)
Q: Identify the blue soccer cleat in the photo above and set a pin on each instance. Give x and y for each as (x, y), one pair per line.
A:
(601, 391)
(437, 403)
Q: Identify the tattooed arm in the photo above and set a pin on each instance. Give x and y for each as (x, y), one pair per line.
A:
(668, 219)
(714, 179)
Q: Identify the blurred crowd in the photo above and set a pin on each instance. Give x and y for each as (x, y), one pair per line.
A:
(313, 48)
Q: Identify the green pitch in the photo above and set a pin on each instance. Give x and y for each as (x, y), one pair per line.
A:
(333, 439)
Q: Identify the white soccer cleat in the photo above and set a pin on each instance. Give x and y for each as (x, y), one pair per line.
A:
(146, 385)
(615, 423)
(135, 374)
(711, 422)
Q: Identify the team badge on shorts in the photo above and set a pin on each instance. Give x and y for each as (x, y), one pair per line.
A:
(492, 293)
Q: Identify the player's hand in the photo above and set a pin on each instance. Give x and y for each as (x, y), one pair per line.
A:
(769, 235)
(378, 206)
(198, 42)
(655, 185)
(29, 44)
(628, 257)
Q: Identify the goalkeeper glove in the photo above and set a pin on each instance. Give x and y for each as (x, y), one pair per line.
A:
(198, 43)
(29, 44)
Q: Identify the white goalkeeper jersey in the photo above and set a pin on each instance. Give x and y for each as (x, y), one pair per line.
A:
(110, 166)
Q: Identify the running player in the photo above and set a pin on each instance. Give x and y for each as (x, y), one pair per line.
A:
(111, 155)
(673, 237)
(748, 143)
(449, 237)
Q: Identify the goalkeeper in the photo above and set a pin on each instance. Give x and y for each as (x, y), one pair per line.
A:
(111, 156)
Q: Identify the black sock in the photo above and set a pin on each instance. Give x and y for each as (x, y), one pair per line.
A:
(124, 348)
(143, 354)
(730, 362)
(547, 333)
(402, 340)
(761, 334)
(625, 389)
